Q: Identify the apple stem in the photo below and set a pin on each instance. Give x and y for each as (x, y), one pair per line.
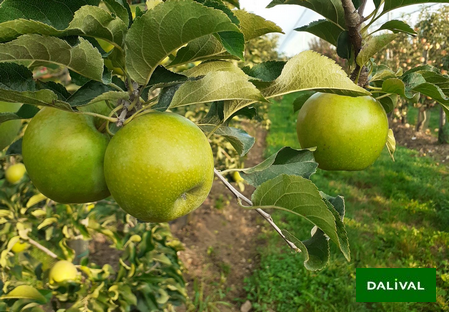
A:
(383, 96)
(44, 249)
(111, 119)
(265, 215)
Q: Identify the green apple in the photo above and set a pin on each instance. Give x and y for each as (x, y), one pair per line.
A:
(349, 133)
(19, 247)
(62, 271)
(15, 173)
(10, 128)
(63, 153)
(159, 167)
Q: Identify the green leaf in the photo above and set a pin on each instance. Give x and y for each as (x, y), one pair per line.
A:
(396, 86)
(16, 77)
(118, 8)
(323, 29)
(303, 96)
(357, 3)
(15, 148)
(372, 46)
(253, 26)
(82, 58)
(209, 47)
(239, 139)
(164, 29)
(390, 5)
(336, 205)
(216, 116)
(163, 77)
(216, 86)
(312, 71)
(25, 112)
(55, 13)
(57, 88)
(25, 292)
(212, 66)
(397, 26)
(286, 161)
(332, 10)
(435, 92)
(219, 5)
(41, 97)
(315, 251)
(234, 3)
(47, 222)
(377, 3)
(87, 21)
(267, 71)
(95, 91)
(204, 48)
(389, 102)
(17, 86)
(233, 42)
(166, 97)
(413, 79)
(344, 46)
(95, 22)
(299, 196)
(383, 74)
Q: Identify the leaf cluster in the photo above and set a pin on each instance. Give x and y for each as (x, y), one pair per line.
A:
(145, 277)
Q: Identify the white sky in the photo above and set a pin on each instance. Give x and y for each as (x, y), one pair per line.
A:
(289, 17)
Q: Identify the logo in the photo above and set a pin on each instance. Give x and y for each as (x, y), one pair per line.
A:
(396, 285)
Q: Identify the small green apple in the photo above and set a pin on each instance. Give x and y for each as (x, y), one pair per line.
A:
(63, 153)
(348, 132)
(159, 167)
(15, 173)
(19, 247)
(62, 271)
(9, 129)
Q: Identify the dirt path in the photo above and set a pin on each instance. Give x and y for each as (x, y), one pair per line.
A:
(221, 241)
(424, 143)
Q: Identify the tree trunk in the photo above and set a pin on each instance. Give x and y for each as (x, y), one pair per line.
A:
(421, 120)
(443, 131)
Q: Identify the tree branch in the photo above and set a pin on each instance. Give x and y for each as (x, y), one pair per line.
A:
(44, 249)
(354, 19)
(361, 9)
(265, 215)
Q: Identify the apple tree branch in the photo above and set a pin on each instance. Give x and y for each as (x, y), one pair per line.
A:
(265, 215)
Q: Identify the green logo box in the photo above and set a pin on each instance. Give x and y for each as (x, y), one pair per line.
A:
(395, 285)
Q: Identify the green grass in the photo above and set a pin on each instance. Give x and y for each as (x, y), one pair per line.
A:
(397, 215)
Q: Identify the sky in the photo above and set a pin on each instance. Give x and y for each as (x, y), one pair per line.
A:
(289, 17)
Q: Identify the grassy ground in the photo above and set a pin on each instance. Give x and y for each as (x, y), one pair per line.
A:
(397, 216)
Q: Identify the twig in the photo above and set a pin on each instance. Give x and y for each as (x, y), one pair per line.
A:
(44, 249)
(362, 8)
(266, 216)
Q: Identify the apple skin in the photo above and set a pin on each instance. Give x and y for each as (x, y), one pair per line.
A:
(10, 128)
(63, 153)
(349, 132)
(159, 167)
(62, 271)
